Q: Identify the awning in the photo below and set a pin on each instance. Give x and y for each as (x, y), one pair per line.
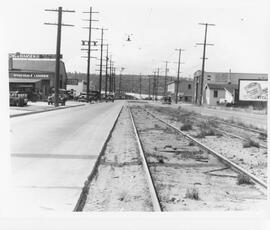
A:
(23, 80)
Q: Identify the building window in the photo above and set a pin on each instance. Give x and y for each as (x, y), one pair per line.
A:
(208, 77)
(215, 93)
(189, 86)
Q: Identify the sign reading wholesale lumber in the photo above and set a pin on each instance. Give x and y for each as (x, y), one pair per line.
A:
(253, 90)
(72, 81)
(29, 75)
(33, 56)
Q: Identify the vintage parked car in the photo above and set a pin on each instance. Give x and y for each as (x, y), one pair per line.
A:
(167, 100)
(93, 96)
(61, 99)
(109, 97)
(17, 98)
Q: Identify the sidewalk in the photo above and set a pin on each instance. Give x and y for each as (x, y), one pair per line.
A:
(40, 106)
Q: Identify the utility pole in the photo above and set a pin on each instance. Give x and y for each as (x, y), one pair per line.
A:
(101, 56)
(204, 52)
(178, 75)
(165, 83)
(157, 78)
(140, 85)
(132, 83)
(110, 76)
(113, 78)
(120, 80)
(106, 74)
(89, 48)
(154, 85)
(58, 50)
(149, 87)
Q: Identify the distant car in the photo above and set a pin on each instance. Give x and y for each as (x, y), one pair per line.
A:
(148, 98)
(82, 97)
(167, 100)
(109, 97)
(17, 98)
(93, 96)
(61, 99)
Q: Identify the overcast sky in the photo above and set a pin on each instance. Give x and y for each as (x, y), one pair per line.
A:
(241, 35)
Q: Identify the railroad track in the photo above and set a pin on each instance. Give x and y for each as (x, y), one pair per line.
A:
(232, 125)
(223, 159)
(157, 198)
(151, 187)
(153, 191)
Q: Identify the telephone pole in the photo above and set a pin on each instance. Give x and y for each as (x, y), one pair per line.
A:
(101, 56)
(58, 49)
(157, 78)
(165, 83)
(203, 61)
(89, 48)
(120, 80)
(154, 85)
(113, 79)
(140, 85)
(106, 74)
(149, 87)
(110, 76)
(178, 75)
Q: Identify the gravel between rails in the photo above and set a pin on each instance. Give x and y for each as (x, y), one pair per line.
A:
(181, 170)
(120, 183)
(252, 159)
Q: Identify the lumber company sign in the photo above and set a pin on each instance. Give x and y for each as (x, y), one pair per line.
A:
(33, 56)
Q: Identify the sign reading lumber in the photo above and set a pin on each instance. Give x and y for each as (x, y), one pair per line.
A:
(72, 81)
(33, 56)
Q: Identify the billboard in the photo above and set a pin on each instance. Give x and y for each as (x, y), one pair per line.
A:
(253, 90)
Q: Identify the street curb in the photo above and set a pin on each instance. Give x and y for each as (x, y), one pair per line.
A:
(43, 111)
(85, 189)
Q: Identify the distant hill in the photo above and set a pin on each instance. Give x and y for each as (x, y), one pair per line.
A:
(129, 83)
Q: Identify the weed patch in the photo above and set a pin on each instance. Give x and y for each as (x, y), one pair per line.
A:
(243, 179)
(186, 127)
(192, 194)
(263, 136)
(251, 143)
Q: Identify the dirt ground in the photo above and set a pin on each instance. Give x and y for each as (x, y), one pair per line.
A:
(186, 177)
(252, 158)
(120, 183)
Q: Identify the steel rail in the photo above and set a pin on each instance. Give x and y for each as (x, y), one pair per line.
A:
(223, 159)
(153, 192)
(230, 134)
(233, 125)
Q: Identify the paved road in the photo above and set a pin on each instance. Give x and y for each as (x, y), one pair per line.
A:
(53, 153)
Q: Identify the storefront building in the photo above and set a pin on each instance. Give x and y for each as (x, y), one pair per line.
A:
(34, 75)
